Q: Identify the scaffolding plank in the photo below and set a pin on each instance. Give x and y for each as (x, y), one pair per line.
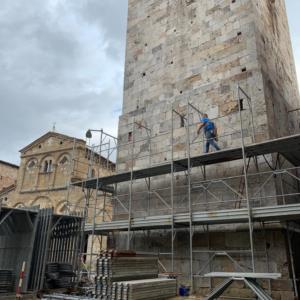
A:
(270, 213)
(243, 275)
(289, 147)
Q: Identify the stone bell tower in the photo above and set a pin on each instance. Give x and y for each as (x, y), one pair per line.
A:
(199, 52)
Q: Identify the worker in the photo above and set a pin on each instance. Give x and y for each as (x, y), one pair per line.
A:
(210, 132)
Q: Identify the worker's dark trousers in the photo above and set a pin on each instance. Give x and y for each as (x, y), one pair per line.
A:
(210, 140)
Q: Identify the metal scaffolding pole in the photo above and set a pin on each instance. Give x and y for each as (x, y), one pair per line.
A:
(103, 215)
(208, 232)
(96, 197)
(292, 260)
(130, 189)
(172, 190)
(246, 184)
(87, 198)
(189, 196)
(71, 171)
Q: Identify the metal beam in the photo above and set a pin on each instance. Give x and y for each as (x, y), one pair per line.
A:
(270, 213)
(6, 216)
(286, 146)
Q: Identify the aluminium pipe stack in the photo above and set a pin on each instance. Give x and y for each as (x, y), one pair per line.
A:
(115, 266)
(146, 289)
(64, 297)
(121, 267)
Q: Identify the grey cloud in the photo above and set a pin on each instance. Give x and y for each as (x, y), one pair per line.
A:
(109, 16)
(62, 61)
(59, 62)
(73, 114)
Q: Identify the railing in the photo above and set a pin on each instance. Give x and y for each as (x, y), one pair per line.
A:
(266, 188)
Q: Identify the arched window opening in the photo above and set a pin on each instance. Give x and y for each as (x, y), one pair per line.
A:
(42, 202)
(19, 205)
(50, 166)
(45, 166)
(64, 160)
(31, 165)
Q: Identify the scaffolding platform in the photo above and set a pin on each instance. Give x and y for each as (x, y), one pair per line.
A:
(229, 216)
(289, 147)
(195, 200)
(273, 276)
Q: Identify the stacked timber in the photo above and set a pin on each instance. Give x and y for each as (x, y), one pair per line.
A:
(115, 266)
(147, 289)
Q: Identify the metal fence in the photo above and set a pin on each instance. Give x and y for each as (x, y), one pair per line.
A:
(17, 234)
(34, 238)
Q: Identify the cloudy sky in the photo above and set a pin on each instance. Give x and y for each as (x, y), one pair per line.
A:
(61, 61)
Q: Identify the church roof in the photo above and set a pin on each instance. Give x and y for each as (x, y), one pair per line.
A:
(9, 164)
(47, 135)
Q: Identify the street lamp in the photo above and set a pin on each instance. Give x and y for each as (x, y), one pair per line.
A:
(88, 134)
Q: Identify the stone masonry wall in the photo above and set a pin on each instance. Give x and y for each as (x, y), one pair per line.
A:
(275, 55)
(70, 162)
(270, 243)
(8, 175)
(198, 51)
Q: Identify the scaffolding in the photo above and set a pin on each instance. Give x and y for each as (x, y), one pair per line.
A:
(90, 159)
(251, 201)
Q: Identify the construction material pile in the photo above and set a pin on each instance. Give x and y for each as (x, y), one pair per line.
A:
(64, 297)
(115, 266)
(59, 275)
(147, 289)
(6, 281)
